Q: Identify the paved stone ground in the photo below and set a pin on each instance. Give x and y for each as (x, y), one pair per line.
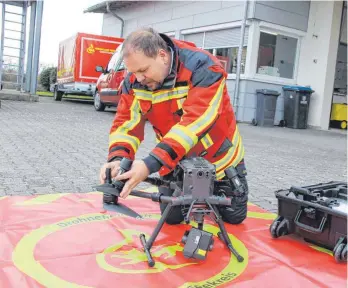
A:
(53, 147)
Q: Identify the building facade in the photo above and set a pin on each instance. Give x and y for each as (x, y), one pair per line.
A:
(284, 43)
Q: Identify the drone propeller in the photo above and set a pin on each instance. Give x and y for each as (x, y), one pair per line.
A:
(106, 188)
(122, 209)
(112, 204)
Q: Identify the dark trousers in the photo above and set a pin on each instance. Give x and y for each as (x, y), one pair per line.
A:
(235, 215)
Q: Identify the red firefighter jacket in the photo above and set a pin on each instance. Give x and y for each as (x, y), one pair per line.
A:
(191, 114)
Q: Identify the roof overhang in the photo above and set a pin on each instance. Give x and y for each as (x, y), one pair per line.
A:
(114, 5)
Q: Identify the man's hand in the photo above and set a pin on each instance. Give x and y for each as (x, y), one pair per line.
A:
(138, 173)
(115, 167)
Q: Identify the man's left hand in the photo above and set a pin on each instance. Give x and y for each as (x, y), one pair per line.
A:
(138, 173)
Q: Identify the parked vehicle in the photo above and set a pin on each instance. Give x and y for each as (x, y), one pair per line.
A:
(77, 58)
(109, 82)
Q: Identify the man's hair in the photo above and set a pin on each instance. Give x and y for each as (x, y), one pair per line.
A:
(146, 40)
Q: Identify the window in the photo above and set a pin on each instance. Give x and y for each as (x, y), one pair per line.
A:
(115, 59)
(223, 44)
(228, 58)
(121, 66)
(276, 55)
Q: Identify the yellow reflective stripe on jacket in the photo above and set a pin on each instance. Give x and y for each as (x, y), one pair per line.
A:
(183, 136)
(223, 161)
(175, 93)
(207, 141)
(119, 137)
(121, 133)
(210, 114)
(234, 163)
(226, 161)
(158, 138)
(161, 96)
(134, 119)
(199, 124)
(187, 136)
(180, 102)
(143, 94)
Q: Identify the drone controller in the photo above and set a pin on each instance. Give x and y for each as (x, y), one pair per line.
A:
(193, 185)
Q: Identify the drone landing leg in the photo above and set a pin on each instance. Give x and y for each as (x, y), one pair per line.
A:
(224, 237)
(199, 219)
(148, 244)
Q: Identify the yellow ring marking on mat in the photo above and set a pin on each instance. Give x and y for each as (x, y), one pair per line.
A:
(42, 199)
(23, 254)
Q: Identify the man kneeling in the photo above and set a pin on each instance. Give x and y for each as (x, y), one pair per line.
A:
(181, 91)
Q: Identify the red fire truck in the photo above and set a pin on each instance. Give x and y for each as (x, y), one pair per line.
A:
(77, 60)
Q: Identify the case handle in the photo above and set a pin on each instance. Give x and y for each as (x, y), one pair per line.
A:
(307, 227)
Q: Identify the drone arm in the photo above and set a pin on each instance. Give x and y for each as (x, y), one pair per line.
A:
(175, 201)
(157, 181)
(156, 197)
(220, 201)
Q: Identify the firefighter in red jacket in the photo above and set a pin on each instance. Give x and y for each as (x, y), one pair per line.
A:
(181, 90)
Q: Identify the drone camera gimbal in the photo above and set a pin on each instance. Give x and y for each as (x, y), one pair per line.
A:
(193, 187)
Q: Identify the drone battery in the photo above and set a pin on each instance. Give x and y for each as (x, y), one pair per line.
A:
(198, 243)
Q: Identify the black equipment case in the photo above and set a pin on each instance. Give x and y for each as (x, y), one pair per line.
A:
(317, 213)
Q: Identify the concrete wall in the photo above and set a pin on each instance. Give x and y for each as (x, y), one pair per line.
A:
(318, 58)
(292, 14)
(111, 26)
(167, 16)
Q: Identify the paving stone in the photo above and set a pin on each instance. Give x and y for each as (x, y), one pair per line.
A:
(59, 147)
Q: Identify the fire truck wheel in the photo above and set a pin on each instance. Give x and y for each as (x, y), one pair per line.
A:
(98, 104)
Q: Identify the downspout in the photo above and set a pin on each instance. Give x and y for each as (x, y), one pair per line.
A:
(116, 16)
(239, 59)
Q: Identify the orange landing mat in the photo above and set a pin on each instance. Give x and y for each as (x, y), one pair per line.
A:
(68, 240)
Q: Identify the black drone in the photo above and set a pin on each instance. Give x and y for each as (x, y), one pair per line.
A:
(193, 186)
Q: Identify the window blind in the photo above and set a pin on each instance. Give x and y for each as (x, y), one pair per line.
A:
(225, 38)
(196, 38)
